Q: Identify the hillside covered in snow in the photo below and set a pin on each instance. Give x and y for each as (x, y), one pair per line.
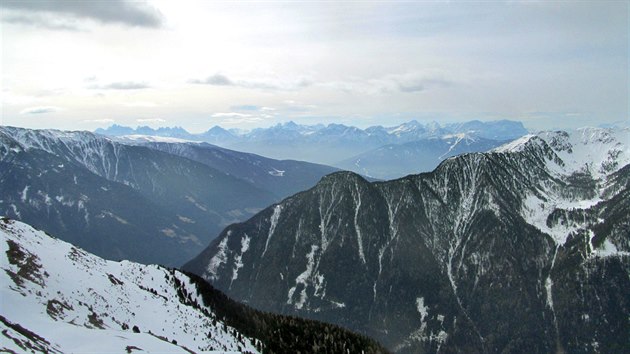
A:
(57, 298)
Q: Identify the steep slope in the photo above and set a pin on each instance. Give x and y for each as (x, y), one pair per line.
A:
(280, 177)
(524, 248)
(133, 202)
(57, 298)
(395, 161)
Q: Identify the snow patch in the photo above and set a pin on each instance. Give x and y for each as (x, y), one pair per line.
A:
(357, 206)
(185, 219)
(272, 226)
(238, 259)
(422, 309)
(515, 145)
(608, 249)
(219, 258)
(195, 203)
(302, 279)
(593, 151)
(276, 173)
(535, 211)
(24, 194)
(548, 290)
(103, 214)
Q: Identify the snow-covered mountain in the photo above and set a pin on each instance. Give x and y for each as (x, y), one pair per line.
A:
(57, 298)
(328, 144)
(134, 202)
(525, 248)
(144, 198)
(397, 160)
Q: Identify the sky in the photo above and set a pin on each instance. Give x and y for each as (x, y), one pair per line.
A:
(81, 65)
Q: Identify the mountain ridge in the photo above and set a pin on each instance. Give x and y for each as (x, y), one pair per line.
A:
(146, 200)
(446, 260)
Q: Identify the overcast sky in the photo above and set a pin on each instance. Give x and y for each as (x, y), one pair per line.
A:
(83, 65)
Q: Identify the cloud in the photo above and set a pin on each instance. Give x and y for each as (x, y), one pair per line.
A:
(126, 85)
(260, 84)
(125, 12)
(405, 83)
(216, 80)
(105, 120)
(40, 110)
(240, 120)
(143, 104)
(41, 22)
(252, 108)
(293, 106)
(246, 107)
(150, 120)
(236, 118)
(413, 86)
(231, 115)
(272, 84)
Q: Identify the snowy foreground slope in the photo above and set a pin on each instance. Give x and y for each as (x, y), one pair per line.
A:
(73, 301)
(525, 248)
(57, 298)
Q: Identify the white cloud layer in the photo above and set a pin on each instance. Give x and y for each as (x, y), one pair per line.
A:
(357, 62)
(40, 110)
(150, 120)
(130, 13)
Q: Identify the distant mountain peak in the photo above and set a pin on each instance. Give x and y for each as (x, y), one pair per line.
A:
(331, 143)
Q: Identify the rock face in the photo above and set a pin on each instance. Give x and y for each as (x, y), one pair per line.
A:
(522, 249)
(57, 298)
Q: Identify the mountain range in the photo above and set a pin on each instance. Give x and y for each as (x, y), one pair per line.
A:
(134, 201)
(525, 248)
(327, 144)
(57, 298)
